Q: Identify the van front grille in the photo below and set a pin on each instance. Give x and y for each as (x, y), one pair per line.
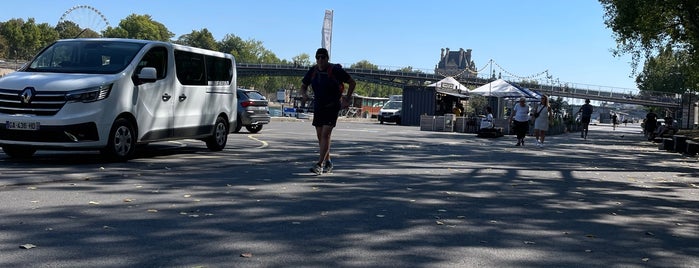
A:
(42, 103)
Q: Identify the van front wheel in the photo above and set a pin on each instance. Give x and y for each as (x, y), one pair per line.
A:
(122, 141)
(218, 139)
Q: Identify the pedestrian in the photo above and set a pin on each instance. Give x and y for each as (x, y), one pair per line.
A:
(585, 117)
(541, 120)
(519, 120)
(488, 118)
(615, 121)
(650, 124)
(327, 81)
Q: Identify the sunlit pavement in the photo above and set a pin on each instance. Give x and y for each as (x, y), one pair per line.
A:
(399, 197)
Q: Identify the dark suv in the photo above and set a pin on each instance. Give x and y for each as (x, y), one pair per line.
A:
(252, 110)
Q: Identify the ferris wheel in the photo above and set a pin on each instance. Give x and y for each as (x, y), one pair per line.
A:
(86, 17)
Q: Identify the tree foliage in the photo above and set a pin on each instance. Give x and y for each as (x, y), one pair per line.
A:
(139, 27)
(202, 39)
(652, 30)
(665, 72)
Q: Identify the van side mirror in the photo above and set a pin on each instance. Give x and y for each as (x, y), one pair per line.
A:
(147, 75)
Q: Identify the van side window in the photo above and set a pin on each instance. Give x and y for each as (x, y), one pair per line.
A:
(156, 58)
(218, 70)
(190, 68)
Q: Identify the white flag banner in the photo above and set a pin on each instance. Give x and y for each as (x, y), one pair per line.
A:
(327, 30)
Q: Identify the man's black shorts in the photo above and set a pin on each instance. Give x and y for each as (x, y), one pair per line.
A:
(326, 116)
(585, 120)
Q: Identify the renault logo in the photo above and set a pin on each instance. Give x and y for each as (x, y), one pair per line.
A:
(26, 96)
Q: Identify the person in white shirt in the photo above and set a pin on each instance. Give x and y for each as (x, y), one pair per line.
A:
(519, 119)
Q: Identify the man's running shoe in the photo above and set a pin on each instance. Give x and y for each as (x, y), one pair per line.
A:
(317, 169)
(328, 166)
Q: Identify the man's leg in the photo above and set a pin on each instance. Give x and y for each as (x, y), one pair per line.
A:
(324, 133)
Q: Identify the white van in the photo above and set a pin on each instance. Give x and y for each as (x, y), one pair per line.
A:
(112, 94)
(391, 111)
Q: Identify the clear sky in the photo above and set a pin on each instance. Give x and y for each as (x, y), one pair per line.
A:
(523, 38)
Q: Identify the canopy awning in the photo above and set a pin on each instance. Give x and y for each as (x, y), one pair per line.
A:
(502, 89)
(458, 95)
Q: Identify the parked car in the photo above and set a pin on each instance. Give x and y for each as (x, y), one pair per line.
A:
(390, 112)
(253, 110)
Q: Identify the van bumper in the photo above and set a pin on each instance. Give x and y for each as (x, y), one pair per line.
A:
(68, 136)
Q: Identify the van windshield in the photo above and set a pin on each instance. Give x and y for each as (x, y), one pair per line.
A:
(85, 56)
(393, 105)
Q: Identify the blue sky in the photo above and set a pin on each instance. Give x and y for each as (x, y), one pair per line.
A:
(523, 38)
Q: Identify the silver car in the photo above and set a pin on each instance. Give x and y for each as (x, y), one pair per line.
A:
(253, 111)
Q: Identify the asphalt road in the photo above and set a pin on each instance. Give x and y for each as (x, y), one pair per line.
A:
(399, 197)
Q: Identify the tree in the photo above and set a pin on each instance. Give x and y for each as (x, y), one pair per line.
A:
(202, 39)
(3, 46)
(67, 29)
(364, 64)
(664, 73)
(647, 28)
(302, 59)
(47, 35)
(139, 27)
(253, 51)
(14, 35)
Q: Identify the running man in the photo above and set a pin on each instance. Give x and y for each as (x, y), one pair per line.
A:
(326, 81)
(586, 115)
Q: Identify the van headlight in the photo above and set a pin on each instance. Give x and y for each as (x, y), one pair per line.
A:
(89, 94)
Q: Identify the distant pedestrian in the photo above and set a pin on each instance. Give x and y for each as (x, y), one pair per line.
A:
(541, 121)
(326, 80)
(615, 121)
(519, 120)
(585, 117)
(650, 124)
(487, 122)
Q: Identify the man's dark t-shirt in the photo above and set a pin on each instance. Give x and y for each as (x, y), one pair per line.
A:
(586, 110)
(326, 88)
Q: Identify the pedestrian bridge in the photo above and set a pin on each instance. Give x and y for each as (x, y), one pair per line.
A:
(401, 79)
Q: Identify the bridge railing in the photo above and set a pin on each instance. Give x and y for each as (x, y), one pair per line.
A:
(576, 90)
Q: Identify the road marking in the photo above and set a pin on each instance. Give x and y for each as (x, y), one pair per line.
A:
(264, 143)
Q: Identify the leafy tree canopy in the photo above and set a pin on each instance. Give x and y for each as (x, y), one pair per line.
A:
(139, 27)
(652, 30)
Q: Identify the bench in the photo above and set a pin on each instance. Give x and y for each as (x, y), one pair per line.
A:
(490, 132)
(680, 142)
(667, 144)
(692, 148)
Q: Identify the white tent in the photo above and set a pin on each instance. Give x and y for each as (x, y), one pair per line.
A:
(450, 86)
(448, 82)
(502, 89)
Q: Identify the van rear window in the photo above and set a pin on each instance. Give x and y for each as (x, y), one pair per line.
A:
(198, 69)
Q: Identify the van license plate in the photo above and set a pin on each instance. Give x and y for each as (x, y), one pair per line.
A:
(21, 125)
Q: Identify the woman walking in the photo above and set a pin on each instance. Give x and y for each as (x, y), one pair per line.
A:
(541, 121)
(519, 120)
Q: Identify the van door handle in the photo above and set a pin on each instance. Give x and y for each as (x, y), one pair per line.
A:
(166, 97)
(182, 97)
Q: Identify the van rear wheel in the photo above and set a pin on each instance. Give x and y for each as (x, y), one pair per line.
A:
(254, 128)
(218, 139)
(122, 141)
(18, 151)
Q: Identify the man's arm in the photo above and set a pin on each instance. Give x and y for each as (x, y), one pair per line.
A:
(350, 90)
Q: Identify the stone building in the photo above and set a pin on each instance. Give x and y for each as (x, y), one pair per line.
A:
(457, 64)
